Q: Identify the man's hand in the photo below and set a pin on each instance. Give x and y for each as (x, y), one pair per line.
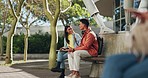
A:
(70, 49)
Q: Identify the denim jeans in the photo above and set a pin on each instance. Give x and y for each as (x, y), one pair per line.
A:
(116, 65)
(61, 58)
(139, 70)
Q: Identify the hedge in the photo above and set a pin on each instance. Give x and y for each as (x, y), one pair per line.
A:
(37, 43)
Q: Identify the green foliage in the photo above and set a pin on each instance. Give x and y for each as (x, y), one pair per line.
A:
(4, 43)
(93, 22)
(60, 42)
(80, 2)
(5, 15)
(64, 4)
(76, 12)
(38, 43)
(18, 43)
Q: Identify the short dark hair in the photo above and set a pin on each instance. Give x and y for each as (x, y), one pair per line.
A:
(85, 21)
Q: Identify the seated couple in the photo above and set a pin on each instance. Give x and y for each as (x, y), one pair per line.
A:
(77, 47)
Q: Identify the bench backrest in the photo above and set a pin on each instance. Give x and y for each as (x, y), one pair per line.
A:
(100, 44)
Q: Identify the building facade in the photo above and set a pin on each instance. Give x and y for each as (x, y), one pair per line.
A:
(119, 14)
(115, 9)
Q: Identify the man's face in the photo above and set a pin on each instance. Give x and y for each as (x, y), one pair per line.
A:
(81, 26)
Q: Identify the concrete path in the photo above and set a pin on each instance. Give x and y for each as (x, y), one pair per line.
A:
(36, 69)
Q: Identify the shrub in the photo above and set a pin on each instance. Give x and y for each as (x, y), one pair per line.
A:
(37, 43)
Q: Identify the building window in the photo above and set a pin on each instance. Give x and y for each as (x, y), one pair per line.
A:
(119, 15)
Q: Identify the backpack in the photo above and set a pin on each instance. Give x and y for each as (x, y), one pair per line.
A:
(100, 44)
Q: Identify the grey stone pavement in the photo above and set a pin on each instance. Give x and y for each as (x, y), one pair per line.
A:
(37, 68)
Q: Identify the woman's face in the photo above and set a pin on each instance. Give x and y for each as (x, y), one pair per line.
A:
(69, 30)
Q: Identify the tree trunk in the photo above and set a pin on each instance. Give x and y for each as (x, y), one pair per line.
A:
(1, 45)
(53, 20)
(9, 46)
(53, 46)
(16, 15)
(26, 45)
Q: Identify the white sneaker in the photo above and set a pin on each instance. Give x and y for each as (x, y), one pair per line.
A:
(75, 76)
(69, 76)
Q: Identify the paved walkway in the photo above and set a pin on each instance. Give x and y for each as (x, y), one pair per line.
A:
(36, 69)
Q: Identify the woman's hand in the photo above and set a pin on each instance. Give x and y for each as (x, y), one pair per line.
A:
(63, 49)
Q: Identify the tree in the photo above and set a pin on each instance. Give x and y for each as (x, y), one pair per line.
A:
(52, 14)
(4, 21)
(75, 12)
(53, 20)
(3, 16)
(30, 11)
(15, 7)
(26, 25)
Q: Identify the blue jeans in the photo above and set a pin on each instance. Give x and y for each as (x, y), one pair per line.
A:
(116, 65)
(61, 58)
(139, 70)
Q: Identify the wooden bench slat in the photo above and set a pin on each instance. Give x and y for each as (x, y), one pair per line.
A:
(98, 59)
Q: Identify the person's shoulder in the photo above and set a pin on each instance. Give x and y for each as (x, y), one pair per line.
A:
(76, 34)
(91, 32)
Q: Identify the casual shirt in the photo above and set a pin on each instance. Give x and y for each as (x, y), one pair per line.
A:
(75, 42)
(70, 37)
(89, 43)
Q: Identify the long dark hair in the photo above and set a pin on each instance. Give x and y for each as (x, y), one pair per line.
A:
(66, 33)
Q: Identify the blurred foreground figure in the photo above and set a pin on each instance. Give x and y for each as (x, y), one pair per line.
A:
(133, 64)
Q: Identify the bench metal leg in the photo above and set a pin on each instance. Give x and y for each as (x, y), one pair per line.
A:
(96, 70)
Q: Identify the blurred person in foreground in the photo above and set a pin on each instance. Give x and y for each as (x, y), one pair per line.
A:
(133, 64)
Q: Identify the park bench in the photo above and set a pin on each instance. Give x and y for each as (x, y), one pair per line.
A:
(97, 64)
(98, 59)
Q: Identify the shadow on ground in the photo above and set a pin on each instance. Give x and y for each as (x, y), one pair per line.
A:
(39, 68)
(36, 68)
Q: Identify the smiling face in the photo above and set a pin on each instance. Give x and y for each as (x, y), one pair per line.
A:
(69, 30)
